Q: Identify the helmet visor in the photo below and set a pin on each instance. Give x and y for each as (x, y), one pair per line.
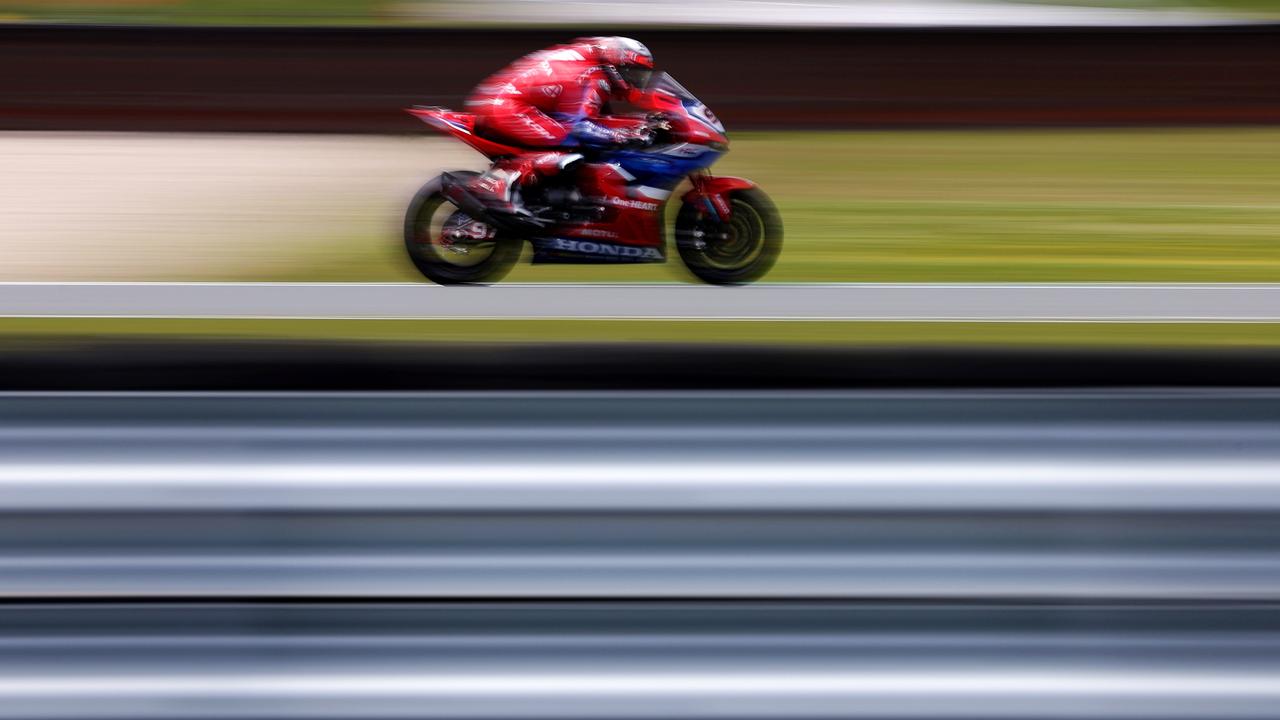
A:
(636, 76)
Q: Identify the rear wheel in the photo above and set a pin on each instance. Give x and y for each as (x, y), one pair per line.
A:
(449, 246)
(735, 252)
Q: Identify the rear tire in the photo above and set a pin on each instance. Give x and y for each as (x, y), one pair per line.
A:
(484, 255)
(738, 252)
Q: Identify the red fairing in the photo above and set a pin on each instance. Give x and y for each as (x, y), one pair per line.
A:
(630, 217)
(462, 126)
(683, 128)
(714, 192)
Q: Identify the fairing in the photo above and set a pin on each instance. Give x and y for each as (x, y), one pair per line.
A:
(462, 126)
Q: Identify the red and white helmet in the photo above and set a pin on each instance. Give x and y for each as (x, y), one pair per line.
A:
(622, 52)
(630, 58)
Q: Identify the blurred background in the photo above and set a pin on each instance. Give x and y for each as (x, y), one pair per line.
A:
(997, 438)
(650, 13)
(904, 142)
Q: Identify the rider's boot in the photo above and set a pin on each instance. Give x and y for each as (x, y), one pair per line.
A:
(501, 189)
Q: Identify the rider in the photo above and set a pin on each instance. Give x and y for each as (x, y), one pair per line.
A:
(550, 102)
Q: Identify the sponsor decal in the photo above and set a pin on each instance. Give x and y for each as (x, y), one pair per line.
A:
(703, 114)
(685, 150)
(593, 232)
(588, 247)
(722, 207)
(634, 204)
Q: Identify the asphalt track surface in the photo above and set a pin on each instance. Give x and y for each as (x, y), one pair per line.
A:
(866, 302)
(1011, 555)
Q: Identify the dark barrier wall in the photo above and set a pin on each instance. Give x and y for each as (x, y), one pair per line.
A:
(356, 80)
(142, 363)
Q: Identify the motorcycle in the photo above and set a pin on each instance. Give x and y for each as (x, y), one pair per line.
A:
(608, 209)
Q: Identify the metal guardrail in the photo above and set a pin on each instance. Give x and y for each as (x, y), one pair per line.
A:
(536, 555)
(979, 496)
(626, 660)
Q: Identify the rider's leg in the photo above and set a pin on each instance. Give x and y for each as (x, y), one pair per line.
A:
(500, 188)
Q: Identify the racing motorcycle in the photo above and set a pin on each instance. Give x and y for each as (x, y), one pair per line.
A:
(608, 209)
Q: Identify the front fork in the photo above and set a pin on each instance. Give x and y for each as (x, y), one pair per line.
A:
(704, 192)
(714, 192)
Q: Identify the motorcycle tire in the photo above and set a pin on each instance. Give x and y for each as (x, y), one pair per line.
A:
(736, 252)
(473, 262)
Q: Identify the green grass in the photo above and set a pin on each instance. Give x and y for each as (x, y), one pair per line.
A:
(202, 12)
(1183, 205)
(1132, 205)
(1016, 206)
(1223, 335)
(1262, 9)
(383, 12)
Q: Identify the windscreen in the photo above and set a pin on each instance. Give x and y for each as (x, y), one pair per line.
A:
(664, 81)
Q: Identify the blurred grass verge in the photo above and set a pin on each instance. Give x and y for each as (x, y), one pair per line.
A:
(1133, 205)
(202, 12)
(15, 332)
(426, 12)
(1023, 206)
(1262, 9)
(1139, 205)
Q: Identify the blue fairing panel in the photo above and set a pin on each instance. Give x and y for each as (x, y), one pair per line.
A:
(664, 166)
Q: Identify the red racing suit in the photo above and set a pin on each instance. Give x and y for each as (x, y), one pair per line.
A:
(550, 99)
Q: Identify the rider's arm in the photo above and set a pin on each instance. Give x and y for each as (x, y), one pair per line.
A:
(589, 132)
(579, 108)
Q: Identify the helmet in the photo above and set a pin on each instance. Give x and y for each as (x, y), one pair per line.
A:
(630, 58)
(622, 52)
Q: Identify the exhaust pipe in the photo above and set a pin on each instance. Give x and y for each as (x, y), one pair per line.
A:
(455, 191)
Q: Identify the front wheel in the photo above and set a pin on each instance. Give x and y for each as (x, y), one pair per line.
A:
(449, 246)
(734, 252)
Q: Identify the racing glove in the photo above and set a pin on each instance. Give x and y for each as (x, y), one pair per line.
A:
(594, 134)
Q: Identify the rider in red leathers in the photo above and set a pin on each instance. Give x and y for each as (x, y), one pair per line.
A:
(550, 102)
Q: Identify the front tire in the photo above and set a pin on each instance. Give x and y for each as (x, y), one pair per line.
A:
(450, 247)
(736, 252)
